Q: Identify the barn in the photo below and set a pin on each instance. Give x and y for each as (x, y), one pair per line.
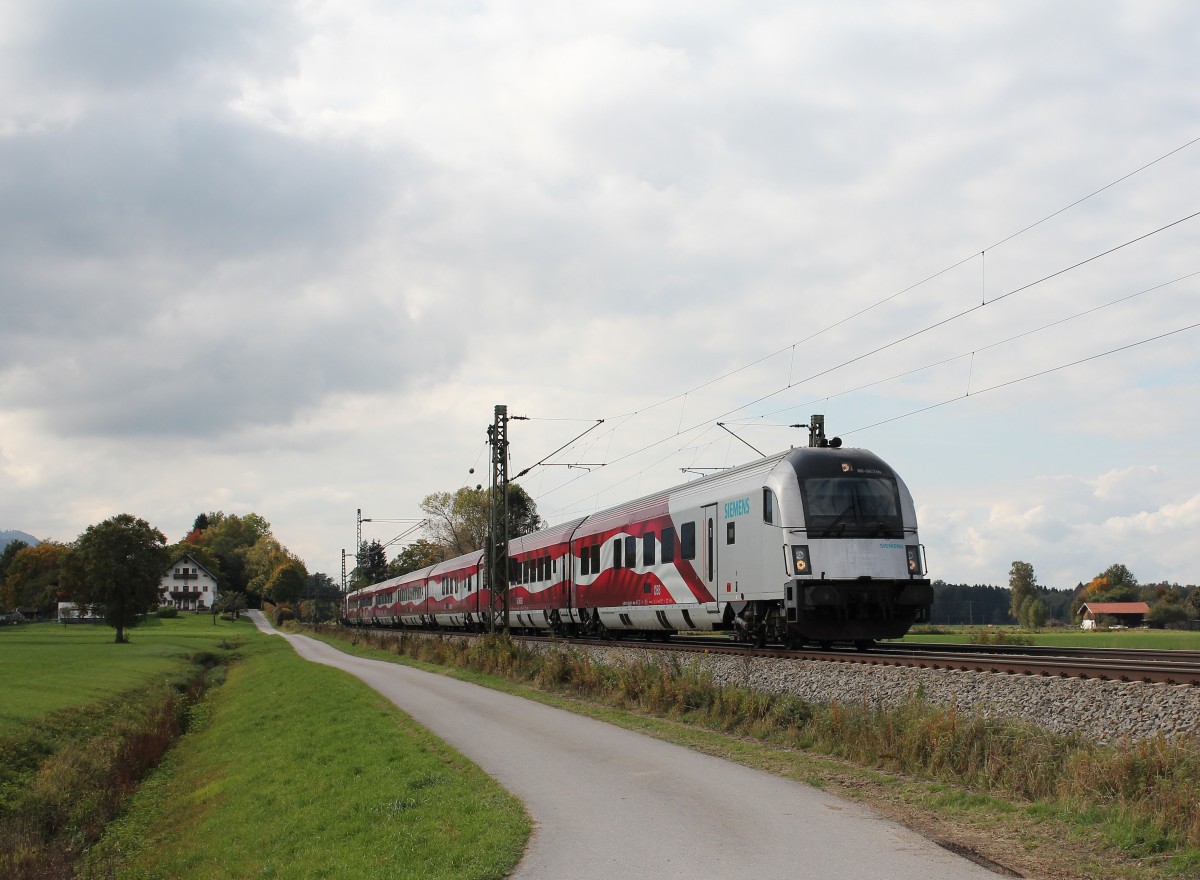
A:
(1097, 614)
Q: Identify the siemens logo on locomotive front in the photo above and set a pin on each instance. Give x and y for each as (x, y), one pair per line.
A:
(740, 507)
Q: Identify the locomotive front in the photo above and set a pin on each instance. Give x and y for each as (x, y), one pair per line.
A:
(856, 567)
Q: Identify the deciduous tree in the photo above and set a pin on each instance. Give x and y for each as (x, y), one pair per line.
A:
(1023, 585)
(286, 583)
(459, 521)
(419, 554)
(116, 566)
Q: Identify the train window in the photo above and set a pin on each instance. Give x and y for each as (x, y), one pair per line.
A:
(630, 551)
(545, 568)
(687, 541)
(769, 506)
(585, 561)
(668, 544)
(618, 553)
(595, 559)
(729, 532)
(648, 548)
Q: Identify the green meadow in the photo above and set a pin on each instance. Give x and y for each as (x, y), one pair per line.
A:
(281, 768)
(48, 667)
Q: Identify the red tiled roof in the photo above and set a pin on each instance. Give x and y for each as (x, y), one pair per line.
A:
(1117, 607)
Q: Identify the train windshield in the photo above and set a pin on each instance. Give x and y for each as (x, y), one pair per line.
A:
(852, 507)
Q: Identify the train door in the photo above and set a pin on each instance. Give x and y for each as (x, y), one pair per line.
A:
(708, 550)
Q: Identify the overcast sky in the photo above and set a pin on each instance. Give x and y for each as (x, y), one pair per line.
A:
(286, 257)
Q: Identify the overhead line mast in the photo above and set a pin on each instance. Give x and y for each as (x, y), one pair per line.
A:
(498, 533)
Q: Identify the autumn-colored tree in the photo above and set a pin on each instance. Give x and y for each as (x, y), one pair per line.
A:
(229, 537)
(33, 577)
(116, 567)
(1115, 584)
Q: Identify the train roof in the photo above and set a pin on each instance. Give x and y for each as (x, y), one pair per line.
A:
(805, 460)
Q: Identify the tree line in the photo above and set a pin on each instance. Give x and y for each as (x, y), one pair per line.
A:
(116, 567)
(1026, 602)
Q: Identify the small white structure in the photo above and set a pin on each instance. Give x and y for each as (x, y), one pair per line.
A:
(71, 611)
(188, 586)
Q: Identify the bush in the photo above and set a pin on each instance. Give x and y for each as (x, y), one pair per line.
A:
(166, 611)
(283, 614)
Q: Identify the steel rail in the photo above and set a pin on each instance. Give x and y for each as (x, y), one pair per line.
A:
(1114, 665)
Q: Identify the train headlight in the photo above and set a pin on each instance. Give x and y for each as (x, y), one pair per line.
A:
(914, 560)
(800, 559)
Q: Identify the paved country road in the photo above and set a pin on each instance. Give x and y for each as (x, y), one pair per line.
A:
(610, 804)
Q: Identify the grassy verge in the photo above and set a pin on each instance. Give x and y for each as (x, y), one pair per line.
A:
(1130, 811)
(300, 771)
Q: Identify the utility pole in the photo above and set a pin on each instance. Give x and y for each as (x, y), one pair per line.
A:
(345, 593)
(498, 539)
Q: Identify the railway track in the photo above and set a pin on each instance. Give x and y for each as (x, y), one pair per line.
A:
(1105, 664)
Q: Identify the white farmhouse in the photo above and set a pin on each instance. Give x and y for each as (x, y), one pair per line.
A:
(188, 586)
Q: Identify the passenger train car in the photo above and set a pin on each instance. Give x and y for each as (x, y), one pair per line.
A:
(817, 544)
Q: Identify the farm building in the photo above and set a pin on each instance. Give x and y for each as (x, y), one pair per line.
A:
(188, 585)
(1096, 614)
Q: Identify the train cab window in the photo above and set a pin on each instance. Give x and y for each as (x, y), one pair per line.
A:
(770, 505)
(595, 559)
(585, 561)
(630, 551)
(668, 544)
(618, 553)
(687, 541)
(729, 532)
(648, 548)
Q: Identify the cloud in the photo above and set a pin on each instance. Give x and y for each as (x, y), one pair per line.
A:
(286, 257)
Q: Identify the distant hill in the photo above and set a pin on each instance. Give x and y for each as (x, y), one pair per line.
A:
(7, 538)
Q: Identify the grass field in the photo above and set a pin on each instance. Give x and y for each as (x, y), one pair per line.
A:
(1161, 639)
(288, 769)
(49, 666)
(301, 771)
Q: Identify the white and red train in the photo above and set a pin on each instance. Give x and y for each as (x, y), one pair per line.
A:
(817, 544)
